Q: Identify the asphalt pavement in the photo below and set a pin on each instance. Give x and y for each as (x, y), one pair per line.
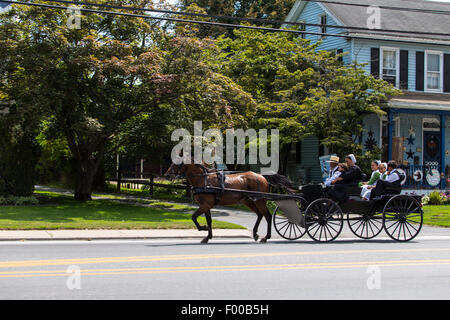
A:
(226, 269)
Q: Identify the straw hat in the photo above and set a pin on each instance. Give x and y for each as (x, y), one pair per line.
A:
(334, 159)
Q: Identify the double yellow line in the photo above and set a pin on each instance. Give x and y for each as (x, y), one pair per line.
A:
(202, 269)
(106, 260)
(221, 268)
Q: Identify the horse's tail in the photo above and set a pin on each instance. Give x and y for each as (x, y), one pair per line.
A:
(277, 180)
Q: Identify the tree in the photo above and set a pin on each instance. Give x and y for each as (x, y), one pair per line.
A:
(97, 85)
(86, 82)
(262, 9)
(302, 91)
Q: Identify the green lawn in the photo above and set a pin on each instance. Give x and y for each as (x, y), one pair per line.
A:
(58, 211)
(437, 215)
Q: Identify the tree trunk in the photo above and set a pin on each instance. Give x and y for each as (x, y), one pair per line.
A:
(83, 189)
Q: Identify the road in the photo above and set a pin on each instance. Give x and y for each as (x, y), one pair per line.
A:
(227, 269)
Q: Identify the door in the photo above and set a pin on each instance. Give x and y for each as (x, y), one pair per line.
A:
(432, 149)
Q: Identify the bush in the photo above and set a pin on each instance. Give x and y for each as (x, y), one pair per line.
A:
(17, 201)
(436, 198)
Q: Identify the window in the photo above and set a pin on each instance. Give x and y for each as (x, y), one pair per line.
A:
(302, 27)
(323, 25)
(389, 70)
(433, 67)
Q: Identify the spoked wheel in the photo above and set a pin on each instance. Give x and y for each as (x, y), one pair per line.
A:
(402, 218)
(365, 226)
(286, 228)
(324, 220)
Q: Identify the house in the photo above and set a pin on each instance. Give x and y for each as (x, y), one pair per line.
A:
(415, 59)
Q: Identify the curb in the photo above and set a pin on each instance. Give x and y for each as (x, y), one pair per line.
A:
(40, 235)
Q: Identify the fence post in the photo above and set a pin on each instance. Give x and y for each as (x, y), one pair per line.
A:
(151, 183)
(119, 179)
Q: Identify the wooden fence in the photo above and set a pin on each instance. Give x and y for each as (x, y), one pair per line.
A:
(135, 183)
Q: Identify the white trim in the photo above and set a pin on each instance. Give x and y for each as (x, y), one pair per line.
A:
(397, 62)
(441, 70)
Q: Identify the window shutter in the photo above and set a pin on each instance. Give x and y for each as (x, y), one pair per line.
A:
(446, 72)
(420, 70)
(375, 62)
(404, 69)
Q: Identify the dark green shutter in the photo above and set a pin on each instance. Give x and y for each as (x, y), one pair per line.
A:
(446, 72)
(375, 62)
(404, 65)
(420, 70)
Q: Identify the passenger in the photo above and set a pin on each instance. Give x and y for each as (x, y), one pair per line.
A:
(376, 174)
(334, 172)
(348, 178)
(353, 175)
(392, 180)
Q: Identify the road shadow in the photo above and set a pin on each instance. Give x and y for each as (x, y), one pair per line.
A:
(275, 243)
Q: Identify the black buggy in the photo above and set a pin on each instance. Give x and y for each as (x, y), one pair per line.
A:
(313, 211)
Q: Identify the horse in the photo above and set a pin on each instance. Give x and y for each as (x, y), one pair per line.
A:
(199, 177)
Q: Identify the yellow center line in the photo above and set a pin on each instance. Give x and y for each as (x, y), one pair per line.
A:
(156, 270)
(104, 260)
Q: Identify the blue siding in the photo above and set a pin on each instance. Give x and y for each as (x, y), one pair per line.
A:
(311, 14)
(361, 53)
(371, 123)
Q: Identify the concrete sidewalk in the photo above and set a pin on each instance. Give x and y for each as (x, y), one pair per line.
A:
(18, 235)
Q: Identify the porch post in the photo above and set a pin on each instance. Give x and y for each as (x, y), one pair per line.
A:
(443, 128)
(390, 123)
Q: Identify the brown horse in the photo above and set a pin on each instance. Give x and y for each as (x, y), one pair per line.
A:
(199, 176)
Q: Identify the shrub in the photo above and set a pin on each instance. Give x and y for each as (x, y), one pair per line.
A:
(18, 201)
(436, 198)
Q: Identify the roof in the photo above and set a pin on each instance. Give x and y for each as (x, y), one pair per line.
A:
(356, 16)
(420, 100)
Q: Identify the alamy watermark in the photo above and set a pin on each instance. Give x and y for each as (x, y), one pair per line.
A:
(374, 280)
(74, 18)
(73, 282)
(208, 147)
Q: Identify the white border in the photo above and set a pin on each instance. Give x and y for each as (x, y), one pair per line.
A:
(441, 71)
(397, 58)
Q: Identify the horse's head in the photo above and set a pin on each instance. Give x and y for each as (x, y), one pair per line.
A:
(182, 167)
(175, 170)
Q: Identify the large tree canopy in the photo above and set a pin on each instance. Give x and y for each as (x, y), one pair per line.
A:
(302, 91)
(91, 84)
(263, 9)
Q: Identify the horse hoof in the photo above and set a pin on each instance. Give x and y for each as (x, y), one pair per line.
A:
(256, 237)
(205, 240)
(263, 240)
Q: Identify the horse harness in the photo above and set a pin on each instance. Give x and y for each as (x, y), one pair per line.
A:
(218, 192)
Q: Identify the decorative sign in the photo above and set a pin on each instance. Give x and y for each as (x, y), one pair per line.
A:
(418, 175)
(401, 171)
(433, 178)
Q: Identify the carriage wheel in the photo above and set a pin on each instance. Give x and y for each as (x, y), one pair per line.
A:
(285, 228)
(324, 220)
(402, 218)
(367, 225)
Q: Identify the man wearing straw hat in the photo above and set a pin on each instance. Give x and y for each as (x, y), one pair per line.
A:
(334, 172)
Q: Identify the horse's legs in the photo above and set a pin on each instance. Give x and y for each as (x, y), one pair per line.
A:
(209, 221)
(196, 214)
(251, 205)
(262, 207)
